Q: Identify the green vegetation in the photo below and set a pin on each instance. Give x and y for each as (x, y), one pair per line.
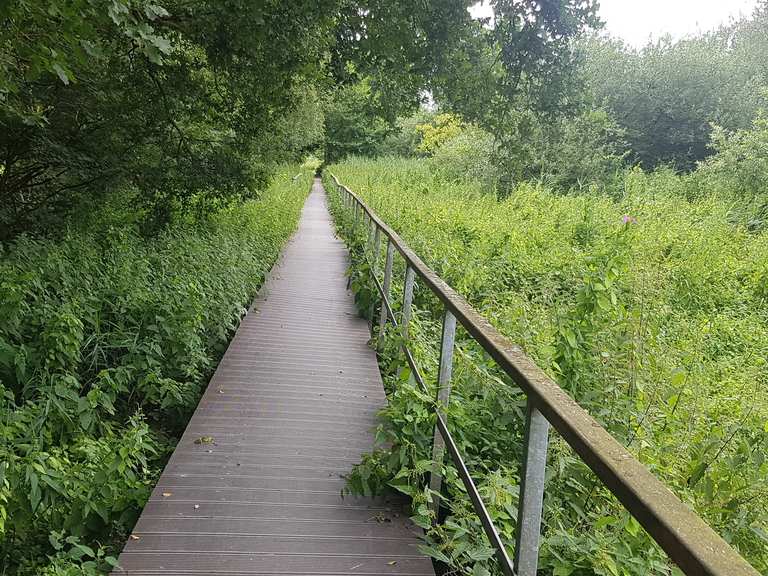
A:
(189, 105)
(148, 101)
(647, 306)
(106, 343)
(138, 140)
(604, 206)
(619, 238)
(667, 95)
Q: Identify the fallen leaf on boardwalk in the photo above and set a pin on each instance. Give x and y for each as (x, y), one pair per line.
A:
(134, 537)
(197, 506)
(392, 563)
(166, 494)
(356, 566)
(204, 440)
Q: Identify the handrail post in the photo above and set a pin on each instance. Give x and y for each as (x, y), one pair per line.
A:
(443, 395)
(531, 500)
(374, 263)
(410, 280)
(371, 226)
(386, 288)
(376, 247)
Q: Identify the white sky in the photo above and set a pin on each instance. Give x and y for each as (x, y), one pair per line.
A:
(635, 21)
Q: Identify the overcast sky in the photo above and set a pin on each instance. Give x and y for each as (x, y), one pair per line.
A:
(637, 20)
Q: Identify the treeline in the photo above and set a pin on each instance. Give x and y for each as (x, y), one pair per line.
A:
(667, 96)
(166, 109)
(670, 105)
(161, 111)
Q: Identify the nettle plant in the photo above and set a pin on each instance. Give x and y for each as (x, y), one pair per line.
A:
(105, 346)
(598, 304)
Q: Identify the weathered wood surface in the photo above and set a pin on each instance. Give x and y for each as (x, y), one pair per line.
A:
(254, 486)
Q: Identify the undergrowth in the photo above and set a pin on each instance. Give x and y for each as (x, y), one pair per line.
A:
(106, 343)
(649, 309)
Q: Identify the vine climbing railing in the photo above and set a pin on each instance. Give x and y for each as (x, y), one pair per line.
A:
(680, 532)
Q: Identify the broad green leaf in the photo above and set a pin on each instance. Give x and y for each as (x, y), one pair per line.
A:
(433, 552)
(63, 75)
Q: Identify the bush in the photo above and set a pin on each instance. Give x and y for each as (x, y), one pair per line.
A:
(466, 157)
(353, 124)
(405, 138)
(648, 307)
(739, 169)
(438, 131)
(106, 343)
(580, 152)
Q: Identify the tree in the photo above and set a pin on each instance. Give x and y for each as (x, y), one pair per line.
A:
(738, 169)
(480, 69)
(581, 151)
(168, 104)
(182, 104)
(667, 95)
(353, 123)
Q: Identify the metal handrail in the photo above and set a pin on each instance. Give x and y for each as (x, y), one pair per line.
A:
(692, 544)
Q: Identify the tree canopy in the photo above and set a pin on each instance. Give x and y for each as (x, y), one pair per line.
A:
(183, 105)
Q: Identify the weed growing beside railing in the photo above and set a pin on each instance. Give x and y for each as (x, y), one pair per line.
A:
(647, 309)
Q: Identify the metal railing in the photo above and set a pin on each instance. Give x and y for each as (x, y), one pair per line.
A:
(679, 531)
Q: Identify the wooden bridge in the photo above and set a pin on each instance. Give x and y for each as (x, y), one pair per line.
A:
(255, 483)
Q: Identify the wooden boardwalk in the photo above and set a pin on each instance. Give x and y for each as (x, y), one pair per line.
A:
(254, 486)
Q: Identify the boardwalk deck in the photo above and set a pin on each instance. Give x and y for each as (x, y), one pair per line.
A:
(254, 486)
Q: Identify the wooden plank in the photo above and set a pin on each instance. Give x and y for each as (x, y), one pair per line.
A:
(288, 412)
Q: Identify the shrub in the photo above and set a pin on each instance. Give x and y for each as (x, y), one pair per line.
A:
(647, 307)
(739, 169)
(587, 150)
(468, 156)
(106, 343)
(405, 138)
(437, 132)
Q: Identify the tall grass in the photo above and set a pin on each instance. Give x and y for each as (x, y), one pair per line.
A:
(649, 308)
